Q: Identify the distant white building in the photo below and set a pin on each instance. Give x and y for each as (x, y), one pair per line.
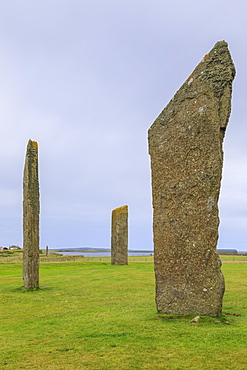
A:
(14, 247)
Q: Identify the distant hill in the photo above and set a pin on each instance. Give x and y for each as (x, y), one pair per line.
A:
(92, 250)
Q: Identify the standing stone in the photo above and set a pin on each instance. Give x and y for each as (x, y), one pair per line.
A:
(185, 144)
(119, 236)
(31, 210)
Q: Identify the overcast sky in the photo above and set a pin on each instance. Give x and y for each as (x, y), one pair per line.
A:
(86, 79)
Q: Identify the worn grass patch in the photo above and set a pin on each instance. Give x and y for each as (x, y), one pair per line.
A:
(98, 316)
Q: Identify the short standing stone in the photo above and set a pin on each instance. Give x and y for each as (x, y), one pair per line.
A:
(119, 236)
(185, 144)
(31, 210)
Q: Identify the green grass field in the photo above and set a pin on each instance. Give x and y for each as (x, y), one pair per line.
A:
(91, 315)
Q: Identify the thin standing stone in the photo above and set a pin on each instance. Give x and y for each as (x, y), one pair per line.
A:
(119, 236)
(31, 209)
(185, 144)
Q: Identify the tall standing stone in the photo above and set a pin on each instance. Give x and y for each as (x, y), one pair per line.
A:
(31, 210)
(185, 144)
(119, 236)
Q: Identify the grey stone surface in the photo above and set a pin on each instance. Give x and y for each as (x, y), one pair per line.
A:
(119, 236)
(185, 145)
(31, 210)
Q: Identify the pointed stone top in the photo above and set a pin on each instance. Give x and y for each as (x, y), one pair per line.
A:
(213, 76)
(122, 209)
(32, 144)
(216, 68)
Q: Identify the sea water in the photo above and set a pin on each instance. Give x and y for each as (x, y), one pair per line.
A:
(101, 254)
